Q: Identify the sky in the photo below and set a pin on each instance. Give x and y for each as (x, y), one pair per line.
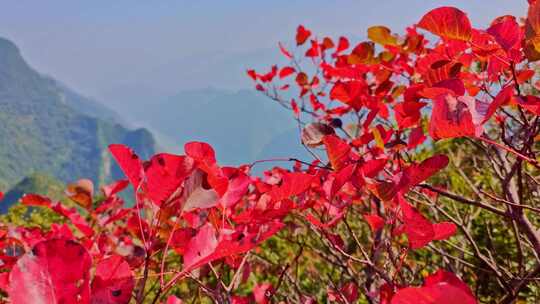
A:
(116, 50)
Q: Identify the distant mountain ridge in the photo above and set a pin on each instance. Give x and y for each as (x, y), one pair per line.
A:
(47, 127)
(240, 125)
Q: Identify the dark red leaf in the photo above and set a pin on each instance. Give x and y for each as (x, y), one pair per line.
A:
(302, 34)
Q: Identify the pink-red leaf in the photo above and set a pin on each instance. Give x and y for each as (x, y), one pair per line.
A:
(113, 281)
(506, 32)
(164, 174)
(55, 271)
(129, 162)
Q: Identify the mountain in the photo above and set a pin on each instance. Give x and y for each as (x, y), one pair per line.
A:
(38, 183)
(47, 127)
(239, 125)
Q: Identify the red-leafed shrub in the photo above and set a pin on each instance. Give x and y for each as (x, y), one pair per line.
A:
(423, 187)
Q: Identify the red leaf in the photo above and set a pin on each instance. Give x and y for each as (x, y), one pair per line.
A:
(36, 200)
(416, 138)
(454, 117)
(440, 288)
(375, 222)
(302, 34)
(129, 162)
(295, 109)
(164, 175)
(339, 92)
(524, 75)
(200, 248)
(417, 173)
(115, 187)
(262, 293)
(181, 238)
(343, 44)
(337, 151)
(206, 247)
(373, 167)
(292, 184)
(113, 281)
(506, 32)
(444, 230)
(76, 219)
(408, 113)
(501, 99)
(173, 300)
(418, 229)
(447, 22)
(252, 74)
(442, 276)
(286, 71)
(313, 51)
(284, 51)
(205, 157)
(55, 271)
(238, 186)
(201, 152)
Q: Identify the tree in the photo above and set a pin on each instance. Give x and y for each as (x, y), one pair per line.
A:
(422, 188)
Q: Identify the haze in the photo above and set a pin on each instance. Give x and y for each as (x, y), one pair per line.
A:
(125, 51)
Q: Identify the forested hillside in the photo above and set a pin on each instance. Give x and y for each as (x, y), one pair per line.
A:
(46, 127)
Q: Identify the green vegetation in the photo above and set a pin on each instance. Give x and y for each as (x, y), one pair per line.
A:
(45, 127)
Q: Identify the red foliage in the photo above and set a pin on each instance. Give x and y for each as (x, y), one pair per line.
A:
(209, 214)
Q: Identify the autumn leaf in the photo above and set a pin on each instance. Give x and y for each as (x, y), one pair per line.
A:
(55, 271)
(447, 22)
(81, 192)
(337, 151)
(442, 287)
(302, 34)
(129, 162)
(113, 281)
(381, 35)
(313, 134)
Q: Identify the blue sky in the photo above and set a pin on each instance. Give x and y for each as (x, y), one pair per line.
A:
(103, 47)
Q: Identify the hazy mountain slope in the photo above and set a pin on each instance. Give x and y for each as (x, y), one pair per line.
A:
(238, 124)
(45, 127)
